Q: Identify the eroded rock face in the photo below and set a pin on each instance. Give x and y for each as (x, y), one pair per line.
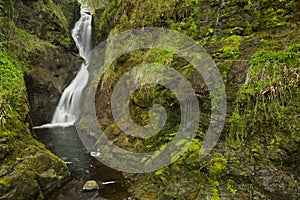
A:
(49, 20)
(48, 49)
(27, 169)
(53, 72)
(54, 63)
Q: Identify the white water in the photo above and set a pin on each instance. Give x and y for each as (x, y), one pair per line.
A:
(68, 108)
(218, 18)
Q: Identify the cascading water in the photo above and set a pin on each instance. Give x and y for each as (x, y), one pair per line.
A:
(218, 17)
(68, 108)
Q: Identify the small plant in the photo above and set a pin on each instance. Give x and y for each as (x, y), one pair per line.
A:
(266, 104)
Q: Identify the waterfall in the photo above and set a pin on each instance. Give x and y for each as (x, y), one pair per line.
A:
(218, 18)
(68, 107)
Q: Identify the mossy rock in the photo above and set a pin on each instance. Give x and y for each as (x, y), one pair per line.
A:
(24, 161)
(218, 167)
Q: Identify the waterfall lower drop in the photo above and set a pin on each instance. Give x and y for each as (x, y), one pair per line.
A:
(68, 108)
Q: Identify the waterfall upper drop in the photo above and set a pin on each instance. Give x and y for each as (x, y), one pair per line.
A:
(82, 32)
(68, 108)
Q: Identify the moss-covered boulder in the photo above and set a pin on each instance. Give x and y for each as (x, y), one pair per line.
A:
(28, 170)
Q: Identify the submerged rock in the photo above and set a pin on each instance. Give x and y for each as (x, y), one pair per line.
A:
(90, 185)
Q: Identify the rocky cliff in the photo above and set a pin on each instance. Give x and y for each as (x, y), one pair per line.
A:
(38, 59)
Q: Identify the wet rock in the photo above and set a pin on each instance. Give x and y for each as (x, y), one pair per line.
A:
(4, 147)
(33, 175)
(12, 189)
(278, 183)
(90, 185)
(52, 73)
(39, 37)
(49, 54)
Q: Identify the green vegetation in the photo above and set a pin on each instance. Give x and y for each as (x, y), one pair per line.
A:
(25, 39)
(218, 168)
(255, 45)
(4, 183)
(19, 146)
(214, 194)
(55, 36)
(269, 98)
(29, 31)
(12, 94)
(231, 47)
(20, 153)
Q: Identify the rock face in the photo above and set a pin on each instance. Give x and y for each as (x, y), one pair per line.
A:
(38, 33)
(53, 71)
(36, 44)
(27, 170)
(54, 65)
(34, 174)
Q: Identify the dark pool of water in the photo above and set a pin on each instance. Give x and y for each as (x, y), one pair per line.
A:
(65, 143)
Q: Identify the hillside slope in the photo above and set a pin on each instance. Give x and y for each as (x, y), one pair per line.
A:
(255, 45)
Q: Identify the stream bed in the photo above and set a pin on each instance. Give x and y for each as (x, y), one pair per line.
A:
(65, 143)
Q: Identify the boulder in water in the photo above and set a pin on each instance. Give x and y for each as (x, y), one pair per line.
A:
(90, 185)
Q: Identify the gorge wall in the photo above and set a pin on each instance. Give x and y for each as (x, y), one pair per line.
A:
(35, 46)
(255, 45)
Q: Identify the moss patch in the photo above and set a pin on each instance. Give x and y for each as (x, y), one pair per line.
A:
(13, 102)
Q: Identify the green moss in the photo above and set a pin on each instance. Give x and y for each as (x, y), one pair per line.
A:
(231, 186)
(4, 182)
(214, 194)
(248, 5)
(231, 48)
(238, 130)
(13, 102)
(4, 133)
(58, 13)
(267, 102)
(22, 44)
(22, 157)
(245, 27)
(219, 166)
(195, 146)
(27, 44)
(57, 23)
(275, 18)
(124, 15)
